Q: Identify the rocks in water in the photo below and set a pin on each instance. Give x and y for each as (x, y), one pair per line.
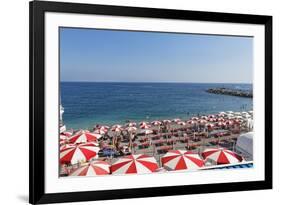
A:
(233, 92)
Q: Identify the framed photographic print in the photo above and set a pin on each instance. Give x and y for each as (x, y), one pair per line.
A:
(130, 102)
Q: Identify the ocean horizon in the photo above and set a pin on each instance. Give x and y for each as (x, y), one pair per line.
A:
(89, 103)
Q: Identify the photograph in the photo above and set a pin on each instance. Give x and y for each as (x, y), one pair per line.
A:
(151, 102)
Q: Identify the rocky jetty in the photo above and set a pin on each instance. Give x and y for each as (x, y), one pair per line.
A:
(233, 92)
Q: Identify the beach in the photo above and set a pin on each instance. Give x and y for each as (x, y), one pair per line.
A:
(158, 137)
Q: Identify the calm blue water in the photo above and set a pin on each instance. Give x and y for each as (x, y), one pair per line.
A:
(87, 103)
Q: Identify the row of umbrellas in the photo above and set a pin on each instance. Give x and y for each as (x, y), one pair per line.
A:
(173, 160)
(209, 121)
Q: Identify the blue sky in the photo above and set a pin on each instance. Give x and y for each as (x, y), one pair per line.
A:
(126, 56)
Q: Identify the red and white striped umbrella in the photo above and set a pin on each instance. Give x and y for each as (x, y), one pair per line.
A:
(167, 121)
(220, 124)
(131, 124)
(64, 146)
(195, 118)
(221, 119)
(156, 123)
(62, 142)
(76, 153)
(202, 121)
(63, 137)
(181, 123)
(238, 121)
(101, 127)
(92, 169)
(211, 116)
(212, 120)
(221, 156)
(145, 126)
(116, 126)
(191, 122)
(67, 133)
(181, 160)
(83, 137)
(134, 164)
(176, 120)
(116, 129)
(143, 123)
(229, 122)
(100, 131)
(209, 125)
(131, 129)
(204, 118)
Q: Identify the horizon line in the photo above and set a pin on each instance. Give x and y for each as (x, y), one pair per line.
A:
(154, 82)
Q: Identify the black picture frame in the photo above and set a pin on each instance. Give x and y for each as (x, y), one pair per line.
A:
(37, 101)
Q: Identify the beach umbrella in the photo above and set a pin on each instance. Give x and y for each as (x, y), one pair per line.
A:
(131, 124)
(116, 126)
(220, 124)
(181, 123)
(100, 131)
(145, 126)
(77, 153)
(229, 122)
(195, 118)
(221, 119)
(167, 121)
(247, 116)
(143, 123)
(83, 137)
(212, 120)
(131, 129)
(67, 133)
(221, 156)
(211, 116)
(92, 169)
(103, 127)
(63, 137)
(230, 115)
(209, 125)
(176, 120)
(156, 123)
(181, 160)
(202, 121)
(62, 142)
(238, 117)
(116, 129)
(191, 122)
(134, 164)
(204, 117)
(238, 121)
(64, 146)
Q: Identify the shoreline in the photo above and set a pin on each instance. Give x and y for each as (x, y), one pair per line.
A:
(149, 120)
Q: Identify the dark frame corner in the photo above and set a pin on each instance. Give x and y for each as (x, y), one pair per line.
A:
(37, 10)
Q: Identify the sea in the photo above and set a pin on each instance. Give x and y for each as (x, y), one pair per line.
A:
(106, 103)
